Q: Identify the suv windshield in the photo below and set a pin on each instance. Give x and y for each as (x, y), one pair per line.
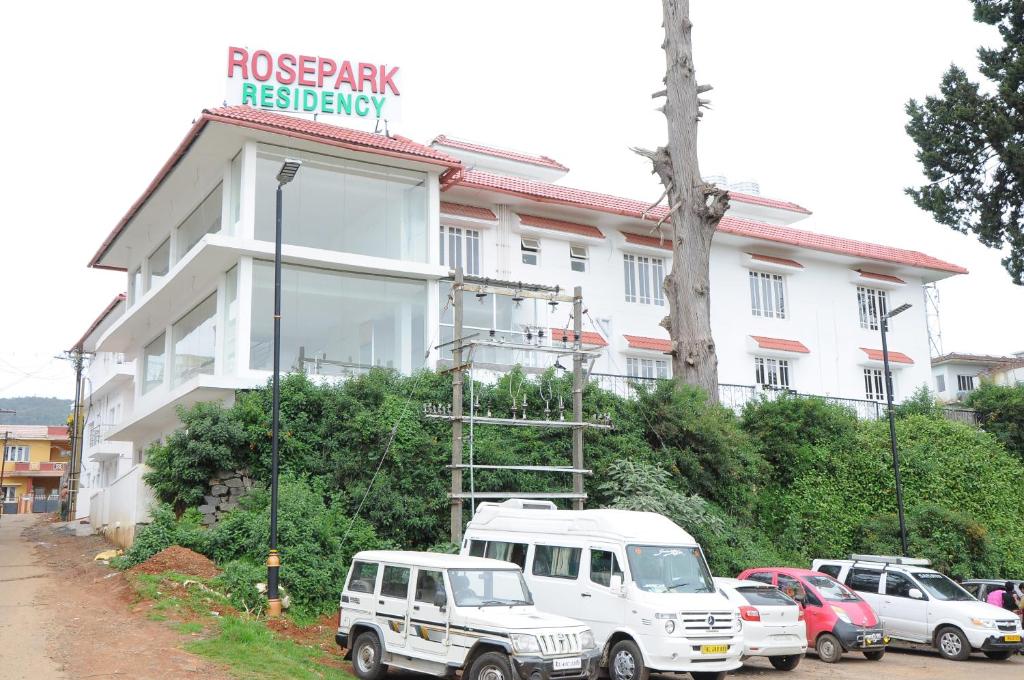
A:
(942, 587)
(669, 569)
(489, 587)
(832, 590)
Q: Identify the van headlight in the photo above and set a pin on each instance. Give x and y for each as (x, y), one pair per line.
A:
(984, 623)
(587, 639)
(525, 644)
(670, 626)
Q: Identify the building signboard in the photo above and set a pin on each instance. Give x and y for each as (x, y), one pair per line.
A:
(301, 83)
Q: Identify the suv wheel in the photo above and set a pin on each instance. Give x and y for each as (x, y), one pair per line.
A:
(625, 662)
(491, 666)
(366, 657)
(785, 663)
(874, 655)
(953, 644)
(999, 654)
(829, 648)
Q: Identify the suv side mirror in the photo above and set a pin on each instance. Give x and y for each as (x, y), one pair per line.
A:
(915, 594)
(615, 583)
(440, 599)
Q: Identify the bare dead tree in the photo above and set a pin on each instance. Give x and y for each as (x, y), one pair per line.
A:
(695, 208)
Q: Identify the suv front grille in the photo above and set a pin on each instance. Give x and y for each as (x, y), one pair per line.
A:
(1007, 626)
(707, 623)
(555, 644)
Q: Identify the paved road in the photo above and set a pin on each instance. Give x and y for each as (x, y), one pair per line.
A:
(24, 615)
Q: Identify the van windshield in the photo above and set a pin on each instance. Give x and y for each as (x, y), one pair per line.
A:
(669, 569)
(489, 587)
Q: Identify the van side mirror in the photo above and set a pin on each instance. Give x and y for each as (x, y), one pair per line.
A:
(440, 599)
(915, 594)
(615, 583)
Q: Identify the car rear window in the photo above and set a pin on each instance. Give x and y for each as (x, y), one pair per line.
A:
(765, 596)
(363, 577)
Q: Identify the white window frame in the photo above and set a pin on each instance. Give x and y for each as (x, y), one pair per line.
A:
(530, 248)
(772, 372)
(874, 384)
(578, 258)
(647, 368)
(767, 294)
(16, 453)
(460, 246)
(964, 383)
(8, 494)
(940, 383)
(644, 279)
(873, 304)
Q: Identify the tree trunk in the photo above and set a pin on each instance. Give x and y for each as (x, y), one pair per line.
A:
(695, 208)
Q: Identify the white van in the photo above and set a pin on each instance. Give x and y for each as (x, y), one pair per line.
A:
(638, 580)
(921, 605)
(396, 611)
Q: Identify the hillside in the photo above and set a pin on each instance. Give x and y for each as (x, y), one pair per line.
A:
(35, 410)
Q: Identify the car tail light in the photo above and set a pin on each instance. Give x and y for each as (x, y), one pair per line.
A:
(750, 614)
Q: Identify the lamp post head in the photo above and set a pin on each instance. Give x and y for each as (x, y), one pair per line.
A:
(288, 171)
(899, 310)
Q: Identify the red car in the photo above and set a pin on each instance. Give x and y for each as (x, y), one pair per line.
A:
(837, 619)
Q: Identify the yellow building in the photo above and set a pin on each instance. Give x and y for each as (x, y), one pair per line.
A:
(34, 464)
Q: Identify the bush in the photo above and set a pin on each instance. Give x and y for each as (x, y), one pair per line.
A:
(239, 579)
(1001, 412)
(922, 403)
(163, 531)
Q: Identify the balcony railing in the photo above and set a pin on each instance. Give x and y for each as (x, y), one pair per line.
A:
(736, 397)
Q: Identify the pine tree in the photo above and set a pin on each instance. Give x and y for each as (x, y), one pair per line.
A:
(970, 141)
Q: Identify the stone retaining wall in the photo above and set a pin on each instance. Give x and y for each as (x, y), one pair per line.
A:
(224, 491)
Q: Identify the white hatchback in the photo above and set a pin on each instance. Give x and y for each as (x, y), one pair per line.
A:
(773, 623)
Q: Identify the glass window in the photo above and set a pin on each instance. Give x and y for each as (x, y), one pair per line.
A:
(428, 584)
(489, 587)
(135, 286)
(941, 587)
(578, 258)
(762, 576)
(194, 339)
(395, 582)
(498, 317)
(510, 552)
(8, 494)
(336, 323)
(767, 295)
(236, 189)
(964, 383)
(461, 248)
(159, 264)
(897, 584)
(864, 580)
(873, 386)
(153, 363)
(669, 569)
(637, 367)
(477, 548)
(645, 278)
(363, 577)
(205, 219)
(16, 454)
(873, 305)
(556, 562)
(771, 372)
(531, 250)
(230, 321)
(940, 383)
(832, 589)
(767, 597)
(346, 206)
(830, 569)
(603, 566)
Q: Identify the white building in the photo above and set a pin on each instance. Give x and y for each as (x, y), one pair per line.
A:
(956, 374)
(372, 225)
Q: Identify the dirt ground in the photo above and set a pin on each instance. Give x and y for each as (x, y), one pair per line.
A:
(65, 617)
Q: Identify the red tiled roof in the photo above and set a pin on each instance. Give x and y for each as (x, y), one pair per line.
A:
(588, 337)
(649, 241)
(278, 123)
(57, 431)
(99, 319)
(559, 225)
(780, 344)
(975, 358)
(880, 277)
(544, 192)
(768, 202)
(776, 260)
(895, 357)
(640, 342)
(499, 153)
(470, 211)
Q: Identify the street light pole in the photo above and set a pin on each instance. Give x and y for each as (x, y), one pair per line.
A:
(883, 326)
(286, 175)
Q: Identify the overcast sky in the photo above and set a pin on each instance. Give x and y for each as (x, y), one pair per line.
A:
(808, 101)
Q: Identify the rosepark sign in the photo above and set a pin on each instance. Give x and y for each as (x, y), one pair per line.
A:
(312, 84)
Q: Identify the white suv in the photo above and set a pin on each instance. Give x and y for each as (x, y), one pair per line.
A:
(396, 611)
(921, 605)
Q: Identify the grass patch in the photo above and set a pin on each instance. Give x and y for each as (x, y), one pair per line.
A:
(179, 596)
(252, 651)
(189, 627)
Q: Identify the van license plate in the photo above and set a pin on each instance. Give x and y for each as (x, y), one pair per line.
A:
(1011, 638)
(714, 649)
(568, 664)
